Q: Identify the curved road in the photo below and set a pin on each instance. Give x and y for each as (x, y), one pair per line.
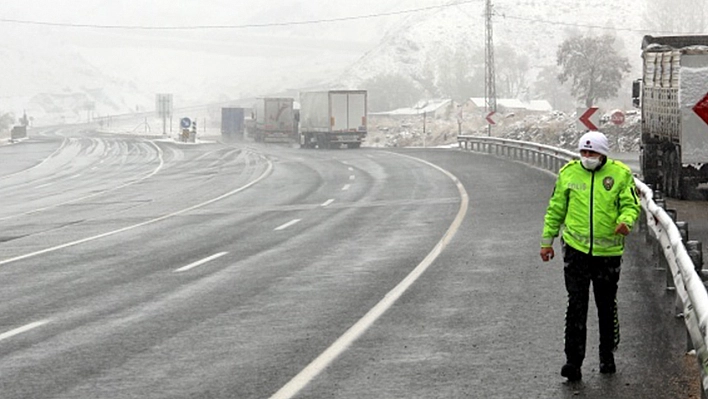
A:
(141, 268)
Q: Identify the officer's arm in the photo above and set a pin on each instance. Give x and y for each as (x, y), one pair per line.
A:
(555, 213)
(629, 203)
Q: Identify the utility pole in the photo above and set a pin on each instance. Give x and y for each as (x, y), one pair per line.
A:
(490, 91)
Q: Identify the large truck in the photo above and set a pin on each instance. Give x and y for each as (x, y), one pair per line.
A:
(273, 120)
(232, 123)
(673, 97)
(333, 118)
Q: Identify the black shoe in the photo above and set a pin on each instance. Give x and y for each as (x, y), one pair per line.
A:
(571, 372)
(607, 363)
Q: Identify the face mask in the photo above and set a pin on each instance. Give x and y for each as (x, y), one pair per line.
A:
(590, 163)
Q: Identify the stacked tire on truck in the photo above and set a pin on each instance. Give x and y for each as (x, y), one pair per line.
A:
(334, 118)
(673, 97)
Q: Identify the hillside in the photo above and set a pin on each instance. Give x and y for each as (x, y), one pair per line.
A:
(65, 73)
(529, 27)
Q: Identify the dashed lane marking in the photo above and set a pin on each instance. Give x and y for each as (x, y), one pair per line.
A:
(330, 354)
(346, 187)
(327, 203)
(200, 262)
(286, 225)
(22, 329)
(263, 175)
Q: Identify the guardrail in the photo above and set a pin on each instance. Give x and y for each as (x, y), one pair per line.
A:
(683, 267)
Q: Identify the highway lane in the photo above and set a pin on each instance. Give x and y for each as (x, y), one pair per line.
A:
(235, 297)
(154, 289)
(486, 320)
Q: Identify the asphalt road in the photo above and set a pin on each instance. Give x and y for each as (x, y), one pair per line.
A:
(141, 268)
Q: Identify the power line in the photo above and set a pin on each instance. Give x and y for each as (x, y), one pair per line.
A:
(264, 25)
(577, 25)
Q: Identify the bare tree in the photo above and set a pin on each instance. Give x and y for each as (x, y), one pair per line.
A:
(511, 70)
(593, 66)
(548, 87)
(6, 120)
(390, 91)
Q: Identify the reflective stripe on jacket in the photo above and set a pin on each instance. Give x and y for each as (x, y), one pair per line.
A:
(589, 205)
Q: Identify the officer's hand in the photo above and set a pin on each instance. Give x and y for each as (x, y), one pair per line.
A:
(622, 229)
(547, 253)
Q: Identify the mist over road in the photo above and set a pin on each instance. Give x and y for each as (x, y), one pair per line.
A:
(141, 268)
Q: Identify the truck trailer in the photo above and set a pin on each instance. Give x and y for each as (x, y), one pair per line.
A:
(273, 120)
(333, 118)
(673, 97)
(232, 124)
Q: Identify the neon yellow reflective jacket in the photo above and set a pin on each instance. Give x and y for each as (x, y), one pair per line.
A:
(589, 205)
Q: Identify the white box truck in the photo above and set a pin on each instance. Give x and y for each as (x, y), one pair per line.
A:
(330, 119)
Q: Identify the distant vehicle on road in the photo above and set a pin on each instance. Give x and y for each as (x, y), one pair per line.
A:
(274, 120)
(232, 124)
(330, 119)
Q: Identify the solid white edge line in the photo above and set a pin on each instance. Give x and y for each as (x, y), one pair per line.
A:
(354, 332)
(268, 170)
(22, 329)
(286, 225)
(200, 262)
(346, 187)
(327, 203)
(162, 162)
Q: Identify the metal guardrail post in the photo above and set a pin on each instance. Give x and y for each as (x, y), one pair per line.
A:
(683, 230)
(658, 251)
(695, 252)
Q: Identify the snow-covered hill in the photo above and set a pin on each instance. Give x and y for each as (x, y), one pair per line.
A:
(72, 73)
(533, 28)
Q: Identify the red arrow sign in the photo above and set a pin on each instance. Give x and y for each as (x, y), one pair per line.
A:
(489, 118)
(585, 118)
(701, 109)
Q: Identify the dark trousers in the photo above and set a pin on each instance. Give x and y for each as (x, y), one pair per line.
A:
(603, 271)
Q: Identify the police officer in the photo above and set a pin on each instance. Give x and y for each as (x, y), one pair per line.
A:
(593, 206)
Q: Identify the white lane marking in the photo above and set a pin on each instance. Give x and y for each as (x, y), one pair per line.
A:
(22, 329)
(44, 185)
(354, 332)
(352, 177)
(351, 169)
(201, 262)
(346, 187)
(286, 225)
(61, 147)
(74, 176)
(145, 223)
(154, 172)
(327, 203)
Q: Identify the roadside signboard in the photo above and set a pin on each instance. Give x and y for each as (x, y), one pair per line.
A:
(492, 118)
(588, 118)
(617, 117)
(163, 105)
